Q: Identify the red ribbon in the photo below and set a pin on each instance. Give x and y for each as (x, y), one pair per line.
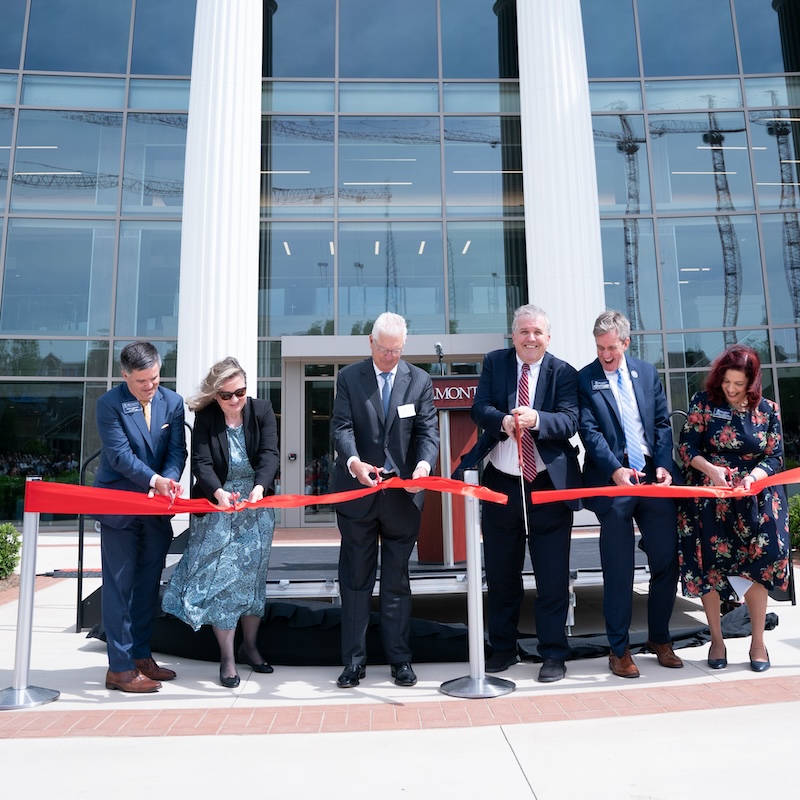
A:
(65, 498)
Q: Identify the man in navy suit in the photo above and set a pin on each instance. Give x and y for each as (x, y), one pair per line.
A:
(625, 428)
(383, 425)
(141, 427)
(548, 417)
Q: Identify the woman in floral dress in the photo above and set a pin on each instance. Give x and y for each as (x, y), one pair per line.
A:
(731, 438)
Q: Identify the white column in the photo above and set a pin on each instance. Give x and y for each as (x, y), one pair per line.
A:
(218, 307)
(562, 217)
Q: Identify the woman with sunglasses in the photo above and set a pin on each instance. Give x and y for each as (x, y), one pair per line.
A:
(222, 575)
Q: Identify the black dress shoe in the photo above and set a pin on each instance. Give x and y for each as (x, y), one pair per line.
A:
(351, 676)
(719, 663)
(552, 670)
(501, 660)
(403, 674)
(228, 681)
(760, 666)
(243, 658)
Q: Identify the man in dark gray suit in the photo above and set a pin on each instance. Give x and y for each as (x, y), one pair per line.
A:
(383, 425)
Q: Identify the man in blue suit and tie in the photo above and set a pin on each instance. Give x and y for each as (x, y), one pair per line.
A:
(625, 428)
(141, 427)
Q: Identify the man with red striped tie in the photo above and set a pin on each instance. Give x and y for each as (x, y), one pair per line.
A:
(526, 391)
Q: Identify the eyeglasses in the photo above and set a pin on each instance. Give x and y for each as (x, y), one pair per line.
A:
(385, 351)
(227, 395)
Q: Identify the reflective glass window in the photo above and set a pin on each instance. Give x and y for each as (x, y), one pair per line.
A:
(610, 38)
(759, 26)
(483, 166)
(41, 435)
(389, 167)
(299, 39)
(70, 92)
(684, 37)
(787, 344)
(147, 279)
(269, 359)
(11, 33)
(487, 272)
(297, 166)
(154, 94)
(782, 254)
(99, 31)
(479, 39)
(155, 152)
(284, 97)
(58, 277)
(67, 161)
(52, 358)
(699, 348)
(711, 272)
(390, 39)
(163, 35)
(621, 159)
(682, 387)
(701, 162)
(8, 89)
(789, 385)
(474, 98)
(397, 98)
(6, 127)
(649, 348)
(295, 279)
(629, 271)
(693, 95)
(776, 138)
(391, 266)
(617, 96)
(772, 92)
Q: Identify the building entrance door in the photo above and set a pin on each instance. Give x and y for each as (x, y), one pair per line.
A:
(318, 448)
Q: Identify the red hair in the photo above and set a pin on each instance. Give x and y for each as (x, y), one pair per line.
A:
(743, 359)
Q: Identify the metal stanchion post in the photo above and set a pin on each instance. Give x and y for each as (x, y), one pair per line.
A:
(477, 684)
(20, 695)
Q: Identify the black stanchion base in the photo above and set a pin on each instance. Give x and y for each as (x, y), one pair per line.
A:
(476, 688)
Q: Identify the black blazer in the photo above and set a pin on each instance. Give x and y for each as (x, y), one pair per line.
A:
(556, 401)
(210, 447)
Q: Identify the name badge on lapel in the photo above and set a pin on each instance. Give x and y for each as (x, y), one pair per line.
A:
(406, 410)
(721, 413)
(131, 407)
(598, 386)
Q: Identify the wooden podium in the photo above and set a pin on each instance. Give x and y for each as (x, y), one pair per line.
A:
(442, 529)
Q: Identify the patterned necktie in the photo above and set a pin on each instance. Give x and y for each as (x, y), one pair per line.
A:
(627, 409)
(386, 393)
(146, 410)
(528, 453)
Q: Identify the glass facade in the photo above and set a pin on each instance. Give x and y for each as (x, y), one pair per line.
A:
(391, 177)
(695, 139)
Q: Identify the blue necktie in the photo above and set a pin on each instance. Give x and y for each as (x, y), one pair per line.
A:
(627, 409)
(386, 393)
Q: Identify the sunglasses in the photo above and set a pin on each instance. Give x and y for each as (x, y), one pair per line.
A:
(227, 395)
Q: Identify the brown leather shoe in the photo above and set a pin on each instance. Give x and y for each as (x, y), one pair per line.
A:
(147, 666)
(131, 681)
(665, 654)
(623, 666)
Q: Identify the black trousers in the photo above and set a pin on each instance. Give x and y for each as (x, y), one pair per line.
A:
(504, 538)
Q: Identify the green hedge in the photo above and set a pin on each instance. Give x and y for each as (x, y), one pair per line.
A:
(10, 542)
(794, 519)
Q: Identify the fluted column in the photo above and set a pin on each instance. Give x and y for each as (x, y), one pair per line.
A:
(562, 216)
(218, 311)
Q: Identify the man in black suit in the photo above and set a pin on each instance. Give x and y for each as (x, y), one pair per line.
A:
(527, 386)
(141, 427)
(625, 428)
(383, 425)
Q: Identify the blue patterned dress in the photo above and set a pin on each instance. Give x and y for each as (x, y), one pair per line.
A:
(223, 572)
(719, 537)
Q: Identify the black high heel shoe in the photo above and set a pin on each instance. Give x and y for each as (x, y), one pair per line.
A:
(719, 663)
(243, 658)
(760, 666)
(228, 681)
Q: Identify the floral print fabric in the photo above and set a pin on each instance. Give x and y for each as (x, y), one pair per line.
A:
(748, 537)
